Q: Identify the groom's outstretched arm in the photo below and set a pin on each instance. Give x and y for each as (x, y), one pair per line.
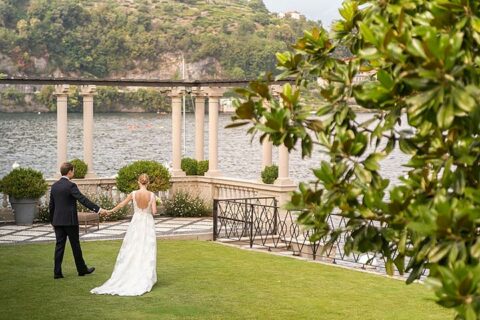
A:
(83, 200)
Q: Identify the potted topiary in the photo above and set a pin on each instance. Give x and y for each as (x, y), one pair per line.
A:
(80, 167)
(270, 174)
(23, 186)
(189, 166)
(202, 167)
(159, 176)
(193, 167)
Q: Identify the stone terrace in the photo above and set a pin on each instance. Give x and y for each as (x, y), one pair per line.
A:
(166, 227)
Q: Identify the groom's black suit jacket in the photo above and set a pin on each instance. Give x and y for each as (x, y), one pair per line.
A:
(63, 203)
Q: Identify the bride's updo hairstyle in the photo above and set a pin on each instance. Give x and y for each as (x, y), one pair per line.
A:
(143, 179)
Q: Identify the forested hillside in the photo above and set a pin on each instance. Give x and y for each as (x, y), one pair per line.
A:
(142, 38)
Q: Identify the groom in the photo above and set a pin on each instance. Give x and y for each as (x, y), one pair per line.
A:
(63, 216)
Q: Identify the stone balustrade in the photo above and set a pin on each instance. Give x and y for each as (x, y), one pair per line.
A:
(208, 188)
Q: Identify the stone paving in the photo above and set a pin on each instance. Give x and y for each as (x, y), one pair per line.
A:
(164, 226)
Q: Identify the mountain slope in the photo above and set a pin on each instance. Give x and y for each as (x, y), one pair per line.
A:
(142, 38)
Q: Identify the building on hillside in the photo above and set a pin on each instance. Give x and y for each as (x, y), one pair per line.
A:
(291, 14)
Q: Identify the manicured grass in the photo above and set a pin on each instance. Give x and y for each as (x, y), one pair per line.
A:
(204, 280)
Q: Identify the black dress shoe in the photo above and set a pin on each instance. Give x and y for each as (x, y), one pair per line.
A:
(88, 271)
(58, 276)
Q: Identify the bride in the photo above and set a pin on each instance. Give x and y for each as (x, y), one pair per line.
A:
(135, 270)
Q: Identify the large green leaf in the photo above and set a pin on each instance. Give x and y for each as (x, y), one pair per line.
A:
(463, 100)
(445, 116)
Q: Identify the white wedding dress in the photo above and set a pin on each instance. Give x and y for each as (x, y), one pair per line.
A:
(135, 271)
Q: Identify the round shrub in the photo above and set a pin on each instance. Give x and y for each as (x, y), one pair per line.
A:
(24, 183)
(158, 174)
(189, 165)
(80, 167)
(202, 167)
(185, 205)
(270, 174)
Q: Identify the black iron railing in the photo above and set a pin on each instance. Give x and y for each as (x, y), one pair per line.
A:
(251, 219)
(260, 222)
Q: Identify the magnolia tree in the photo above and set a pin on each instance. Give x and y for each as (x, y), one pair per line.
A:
(424, 55)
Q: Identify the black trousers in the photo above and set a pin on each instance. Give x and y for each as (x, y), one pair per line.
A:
(72, 232)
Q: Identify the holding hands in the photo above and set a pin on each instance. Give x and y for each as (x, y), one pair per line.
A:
(105, 212)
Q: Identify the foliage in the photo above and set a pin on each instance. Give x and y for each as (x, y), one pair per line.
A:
(425, 54)
(24, 183)
(149, 100)
(43, 213)
(189, 166)
(128, 176)
(237, 58)
(105, 38)
(202, 167)
(107, 99)
(185, 205)
(193, 167)
(80, 168)
(270, 174)
(106, 202)
(14, 96)
(46, 97)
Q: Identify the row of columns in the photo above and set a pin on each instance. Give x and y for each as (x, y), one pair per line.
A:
(87, 92)
(213, 94)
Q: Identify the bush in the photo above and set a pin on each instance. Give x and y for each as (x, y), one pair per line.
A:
(43, 213)
(24, 183)
(105, 202)
(189, 165)
(128, 176)
(270, 174)
(185, 205)
(193, 167)
(202, 167)
(80, 167)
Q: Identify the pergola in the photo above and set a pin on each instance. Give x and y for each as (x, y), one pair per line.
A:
(199, 89)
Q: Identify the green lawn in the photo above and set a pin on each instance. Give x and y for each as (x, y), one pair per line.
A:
(204, 280)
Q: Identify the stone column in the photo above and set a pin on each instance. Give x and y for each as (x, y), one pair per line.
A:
(199, 120)
(214, 95)
(283, 159)
(283, 155)
(87, 93)
(61, 92)
(267, 147)
(176, 95)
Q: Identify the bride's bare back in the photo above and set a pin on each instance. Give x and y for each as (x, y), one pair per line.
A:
(142, 198)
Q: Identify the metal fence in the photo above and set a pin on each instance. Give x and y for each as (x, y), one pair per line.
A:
(259, 222)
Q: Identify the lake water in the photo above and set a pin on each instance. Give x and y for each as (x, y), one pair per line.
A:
(121, 138)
